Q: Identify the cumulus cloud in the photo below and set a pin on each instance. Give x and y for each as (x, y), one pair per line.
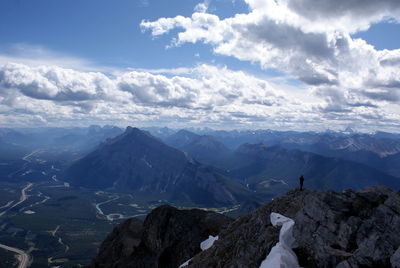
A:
(203, 94)
(54, 83)
(309, 40)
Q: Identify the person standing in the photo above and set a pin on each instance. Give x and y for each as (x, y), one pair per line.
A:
(301, 179)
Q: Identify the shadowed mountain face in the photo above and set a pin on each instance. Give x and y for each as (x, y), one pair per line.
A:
(166, 238)
(203, 148)
(371, 150)
(181, 138)
(269, 169)
(137, 162)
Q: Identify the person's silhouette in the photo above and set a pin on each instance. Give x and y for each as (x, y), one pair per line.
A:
(301, 179)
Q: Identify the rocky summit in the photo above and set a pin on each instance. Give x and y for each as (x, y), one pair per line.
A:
(166, 238)
(348, 229)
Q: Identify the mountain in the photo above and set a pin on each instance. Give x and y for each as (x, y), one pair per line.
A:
(361, 148)
(181, 138)
(137, 162)
(331, 229)
(204, 148)
(276, 169)
(386, 135)
(207, 150)
(160, 132)
(166, 230)
(10, 151)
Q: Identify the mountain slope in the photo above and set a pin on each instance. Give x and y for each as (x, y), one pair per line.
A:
(165, 230)
(181, 138)
(203, 148)
(271, 169)
(346, 229)
(137, 162)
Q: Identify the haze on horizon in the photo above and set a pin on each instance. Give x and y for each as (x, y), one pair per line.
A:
(225, 64)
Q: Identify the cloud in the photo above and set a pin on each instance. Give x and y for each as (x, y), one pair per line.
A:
(203, 93)
(206, 87)
(54, 83)
(311, 41)
(327, 16)
(202, 6)
(34, 55)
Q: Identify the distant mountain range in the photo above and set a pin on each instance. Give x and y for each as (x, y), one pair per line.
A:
(61, 138)
(204, 148)
(204, 168)
(276, 169)
(380, 150)
(140, 163)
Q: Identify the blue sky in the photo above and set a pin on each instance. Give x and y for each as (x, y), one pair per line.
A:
(311, 66)
(105, 32)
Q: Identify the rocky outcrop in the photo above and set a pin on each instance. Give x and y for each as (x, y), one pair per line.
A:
(167, 238)
(120, 244)
(348, 229)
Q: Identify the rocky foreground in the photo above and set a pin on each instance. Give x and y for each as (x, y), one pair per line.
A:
(348, 229)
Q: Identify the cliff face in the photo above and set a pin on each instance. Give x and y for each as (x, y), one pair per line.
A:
(348, 229)
(166, 238)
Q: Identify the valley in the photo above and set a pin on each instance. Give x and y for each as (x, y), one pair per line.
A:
(61, 197)
(46, 222)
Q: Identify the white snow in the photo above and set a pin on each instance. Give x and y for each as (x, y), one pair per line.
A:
(186, 263)
(206, 244)
(281, 254)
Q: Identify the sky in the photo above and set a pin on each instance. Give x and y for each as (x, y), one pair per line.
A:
(225, 64)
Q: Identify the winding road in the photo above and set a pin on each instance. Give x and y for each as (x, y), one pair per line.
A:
(23, 256)
(114, 216)
(21, 199)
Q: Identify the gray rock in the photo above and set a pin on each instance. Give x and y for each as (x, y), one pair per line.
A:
(167, 238)
(349, 229)
(346, 230)
(395, 259)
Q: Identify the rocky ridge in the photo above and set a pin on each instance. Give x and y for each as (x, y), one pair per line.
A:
(166, 238)
(332, 229)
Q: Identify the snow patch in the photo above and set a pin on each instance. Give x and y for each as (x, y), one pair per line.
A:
(206, 244)
(281, 254)
(186, 263)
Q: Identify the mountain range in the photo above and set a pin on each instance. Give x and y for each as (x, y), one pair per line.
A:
(204, 148)
(275, 169)
(203, 168)
(140, 163)
(200, 170)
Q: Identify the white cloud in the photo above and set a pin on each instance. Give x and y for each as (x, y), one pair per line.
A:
(34, 55)
(32, 94)
(202, 6)
(309, 40)
(55, 83)
(203, 94)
